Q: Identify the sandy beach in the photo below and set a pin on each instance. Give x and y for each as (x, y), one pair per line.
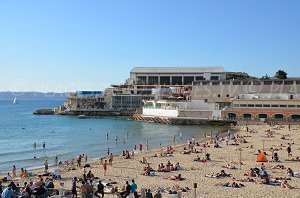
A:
(192, 171)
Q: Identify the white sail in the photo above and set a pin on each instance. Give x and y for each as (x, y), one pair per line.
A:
(15, 100)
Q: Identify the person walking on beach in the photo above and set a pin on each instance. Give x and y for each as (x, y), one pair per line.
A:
(147, 145)
(289, 150)
(141, 147)
(132, 154)
(126, 192)
(110, 159)
(105, 167)
(56, 161)
(46, 166)
(74, 188)
(108, 152)
(174, 139)
(79, 161)
(133, 188)
(14, 171)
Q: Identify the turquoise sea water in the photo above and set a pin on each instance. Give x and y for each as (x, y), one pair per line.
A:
(68, 136)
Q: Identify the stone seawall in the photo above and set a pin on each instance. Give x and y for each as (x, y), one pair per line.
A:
(182, 120)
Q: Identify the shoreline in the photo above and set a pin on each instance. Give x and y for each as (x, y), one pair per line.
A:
(195, 172)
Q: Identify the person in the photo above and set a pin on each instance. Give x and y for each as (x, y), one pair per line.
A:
(105, 167)
(8, 192)
(110, 159)
(180, 135)
(56, 161)
(46, 166)
(79, 160)
(14, 171)
(290, 172)
(100, 190)
(74, 188)
(116, 139)
(133, 188)
(284, 184)
(1, 189)
(158, 194)
(34, 145)
(44, 145)
(127, 190)
(83, 189)
(289, 151)
(108, 152)
(141, 147)
(86, 158)
(149, 194)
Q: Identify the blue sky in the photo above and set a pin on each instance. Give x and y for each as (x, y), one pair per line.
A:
(70, 45)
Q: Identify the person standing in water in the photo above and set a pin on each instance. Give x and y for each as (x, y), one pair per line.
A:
(34, 145)
(56, 161)
(14, 171)
(180, 135)
(44, 145)
(107, 135)
(116, 139)
(46, 166)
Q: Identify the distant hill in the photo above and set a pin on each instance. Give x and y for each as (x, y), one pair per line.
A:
(33, 96)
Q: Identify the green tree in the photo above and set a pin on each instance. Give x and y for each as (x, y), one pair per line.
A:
(265, 77)
(281, 74)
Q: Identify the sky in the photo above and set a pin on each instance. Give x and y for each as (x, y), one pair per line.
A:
(69, 45)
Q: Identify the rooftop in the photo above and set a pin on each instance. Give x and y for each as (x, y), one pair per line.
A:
(177, 69)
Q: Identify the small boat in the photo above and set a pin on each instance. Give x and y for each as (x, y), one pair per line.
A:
(15, 100)
(81, 116)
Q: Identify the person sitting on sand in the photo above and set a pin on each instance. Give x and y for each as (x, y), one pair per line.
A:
(147, 171)
(177, 166)
(144, 161)
(207, 156)
(290, 172)
(197, 159)
(90, 176)
(250, 173)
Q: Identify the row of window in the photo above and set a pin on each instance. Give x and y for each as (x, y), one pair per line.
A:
(266, 105)
(250, 82)
(171, 80)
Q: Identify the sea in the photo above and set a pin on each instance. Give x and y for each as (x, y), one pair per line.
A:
(68, 136)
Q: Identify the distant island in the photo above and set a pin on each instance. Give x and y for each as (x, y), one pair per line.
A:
(33, 96)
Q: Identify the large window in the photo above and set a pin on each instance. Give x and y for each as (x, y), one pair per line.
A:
(165, 80)
(199, 78)
(153, 80)
(176, 80)
(188, 80)
(141, 80)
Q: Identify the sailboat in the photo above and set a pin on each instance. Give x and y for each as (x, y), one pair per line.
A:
(15, 100)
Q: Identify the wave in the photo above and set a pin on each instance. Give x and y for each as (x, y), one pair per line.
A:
(28, 151)
(36, 159)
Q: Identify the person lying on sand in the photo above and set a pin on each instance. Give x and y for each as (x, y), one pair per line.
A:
(297, 159)
(177, 178)
(233, 184)
(218, 175)
(229, 166)
(284, 184)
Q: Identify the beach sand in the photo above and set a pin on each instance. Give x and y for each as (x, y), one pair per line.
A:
(194, 172)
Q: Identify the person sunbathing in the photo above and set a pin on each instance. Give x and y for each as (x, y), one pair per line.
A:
(230, 166)
(177, 178)
(250, 173)
(284, 184)
(290, 172)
